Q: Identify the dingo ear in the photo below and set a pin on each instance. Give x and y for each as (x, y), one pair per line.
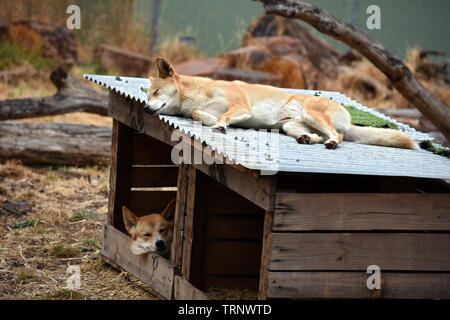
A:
(164, 67)
(129, 219)
(169, 211)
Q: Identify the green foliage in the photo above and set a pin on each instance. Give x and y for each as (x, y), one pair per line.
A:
(428, 145)
(366, 119)
(12, 56)
(26, 223)
(78, 216)
(92, 243)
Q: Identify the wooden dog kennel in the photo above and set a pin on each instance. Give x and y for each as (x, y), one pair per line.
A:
(290, 235)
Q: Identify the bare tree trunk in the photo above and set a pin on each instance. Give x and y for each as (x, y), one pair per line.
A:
(72, 96)
(55, 143)
(401, 77)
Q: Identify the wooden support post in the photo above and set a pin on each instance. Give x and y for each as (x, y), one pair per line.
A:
(180, 211)
(195, 219)
(265, 257)
(120, 174)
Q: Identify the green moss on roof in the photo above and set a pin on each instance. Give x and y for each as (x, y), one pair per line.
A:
(428, 145)
(366, 119)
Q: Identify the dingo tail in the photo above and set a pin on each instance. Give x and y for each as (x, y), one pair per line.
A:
(379, 137)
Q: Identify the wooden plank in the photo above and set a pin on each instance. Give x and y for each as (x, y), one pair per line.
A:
(151, 269)
(265, 255)
(301, 212)
(178, 224)
(352, 285)
(235, 227)
(232, 258)
(356, 251)
(199, 229)
(257, 188)
(223, 201)
(150, 151)
(120, 174)
(183, 290)
(154, 176)
(146, 202)
(188, 232)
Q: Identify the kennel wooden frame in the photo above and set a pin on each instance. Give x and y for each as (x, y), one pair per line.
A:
(290, 235)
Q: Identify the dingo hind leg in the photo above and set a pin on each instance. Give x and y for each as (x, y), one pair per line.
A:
(301, 133)
(316, 116)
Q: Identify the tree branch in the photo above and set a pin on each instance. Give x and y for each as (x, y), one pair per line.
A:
(72, 96)
(402, 78)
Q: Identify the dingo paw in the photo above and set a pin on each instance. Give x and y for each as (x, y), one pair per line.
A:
(304, 139)
(330, 144)
(220, 129)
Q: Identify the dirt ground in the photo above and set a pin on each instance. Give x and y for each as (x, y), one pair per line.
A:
(62, 226)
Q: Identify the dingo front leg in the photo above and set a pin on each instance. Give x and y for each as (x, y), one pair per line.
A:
(205, 118)
(301, 133)
(234, 115)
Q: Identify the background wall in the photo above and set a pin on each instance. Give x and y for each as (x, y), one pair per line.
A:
(218, 25)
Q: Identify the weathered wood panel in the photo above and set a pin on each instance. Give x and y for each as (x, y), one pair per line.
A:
(151, 269)
(154, 176)
(146, 202)
(183, 290)
(194, 227)
(232, 258)
(120, 174)
(245, 182)
(344, 211)
(223, 201)
(265, 255)
(150, 151)
(180, 211)
(235, 227)
(352, 285)
(356, 251)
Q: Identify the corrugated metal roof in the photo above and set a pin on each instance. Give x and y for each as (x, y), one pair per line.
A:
(278, 152)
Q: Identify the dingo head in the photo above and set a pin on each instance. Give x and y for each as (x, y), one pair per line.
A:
(150, 233)
(163, 96)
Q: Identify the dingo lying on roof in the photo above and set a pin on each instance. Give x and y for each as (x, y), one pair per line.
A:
(219, 104)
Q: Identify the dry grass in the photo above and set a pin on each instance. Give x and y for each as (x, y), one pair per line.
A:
(34, 258)
(70, 206)
(231, 294)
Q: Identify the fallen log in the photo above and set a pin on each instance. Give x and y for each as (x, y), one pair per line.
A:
(55, 143)
(72, 96)
(400, 76)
